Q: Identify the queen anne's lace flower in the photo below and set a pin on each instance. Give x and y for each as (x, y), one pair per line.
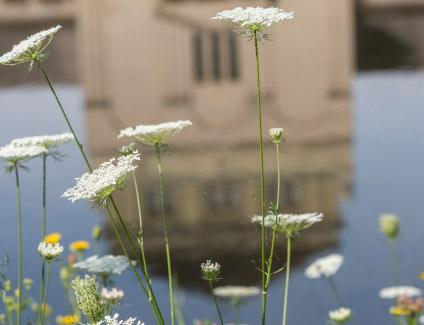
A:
(210, 271)
(46, 141)
(108, 264)
(276, 135)
(12, 153)
(103, 181)
(115, 321)
(255, 19)
(340, 315)
(153, 134)
(112, 296)
(50, 251)
(394, 292)
(30, 48)
(236, 291)
(289, 223)
(326, 266)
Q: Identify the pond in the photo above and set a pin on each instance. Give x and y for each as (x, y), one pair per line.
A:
(386, 176)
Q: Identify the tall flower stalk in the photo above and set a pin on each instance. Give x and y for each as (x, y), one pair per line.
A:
(389, 225)
(210, 272)
(253, 22)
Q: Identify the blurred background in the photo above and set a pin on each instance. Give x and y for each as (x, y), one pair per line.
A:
(343, 79)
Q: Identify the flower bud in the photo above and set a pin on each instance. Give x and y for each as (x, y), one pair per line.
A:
(97, 232)
(28, 284)
(389, 225)
(2, 319)
(127, 150)
(7, 285)
(210, 271)
(276, 135)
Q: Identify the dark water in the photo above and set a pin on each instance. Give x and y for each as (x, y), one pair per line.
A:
(387, 177)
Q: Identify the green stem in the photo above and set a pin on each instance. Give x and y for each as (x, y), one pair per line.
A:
(43, 231)
(268, 276)
(47, 291)
(335, 291)
(41, 290)
(151, 295)
(140, 240)
(278, 175)
(165, 229)
(395, 262)
(18, 195)
(9, 316)
(287, 278)
(64, 114)
(262, 180)
(216, 304)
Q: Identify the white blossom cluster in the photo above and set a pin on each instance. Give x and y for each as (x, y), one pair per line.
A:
(324, 266)
(236, 291)
(107, 264)
(46, 141)
(152, 134)
(113, 295)
(340, 315)
(49, 251)
(26, 49)
(255, 18)
(107, 320)
(103, 181)
(13, 153)
(210, 271)
(289, 223)
(276, 135)
(394, 292)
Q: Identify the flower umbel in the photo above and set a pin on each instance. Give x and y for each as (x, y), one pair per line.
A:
(394, 292)
(276, 135)
(31, 48)
(389, 224)
(150, 135)
(13, 154)
(46, 141)
(103, 181)
(324, 266)
(210, 271)
(340, 316)
(289, 223)
(108, 264)
(112, 296)
(236, 291)
(50, 251)
(115, 321)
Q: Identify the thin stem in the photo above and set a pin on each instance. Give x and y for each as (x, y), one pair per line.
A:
(335, 291)
(41, 290)
(278, 175)
(64, 114)
(165, 229)
(140, 239)
(47, 291)
(18, 195)
(44, 195)
(216, 304)
(395, 262)
(287, 278)
(43, 231)
(262, 180)
(151, 294)
(268, 276)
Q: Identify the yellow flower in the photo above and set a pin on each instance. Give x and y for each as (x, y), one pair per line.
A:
(68, 319)
(421, 275)
(79, 246)
(53, 238)
(398, 311)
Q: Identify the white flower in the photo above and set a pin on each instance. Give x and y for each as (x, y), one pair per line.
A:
(394, 292)
(113, 295)
(326, 266)
(422, 319)
(46, 141)
(340, 315)
(236, 291)
(115, 321)
(108, 264)
(289, 223)
(210, 271)
(255, 18)
(276, 135)
(154, 134)
(12, 153)
(103, 181)
(49, 251)
(30, 48)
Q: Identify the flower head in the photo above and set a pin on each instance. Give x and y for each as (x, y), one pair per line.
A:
(151, 135)
(46, 141)
(68, 319)
(13, 154)
(276, 135)
(103, 181)
(79, 246)
(127, 150)
(407, 306)
(389, 224)
(254, 19)
(340, 315)
(89, 300)
(289, 223)
(97, 232)
(108, 264)
(112, 296)
(394, 292)
(236, 291)
(115, 321)
(49, 251)
(210, 271)
(53, 238)
(326, 266)
(30, 49)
